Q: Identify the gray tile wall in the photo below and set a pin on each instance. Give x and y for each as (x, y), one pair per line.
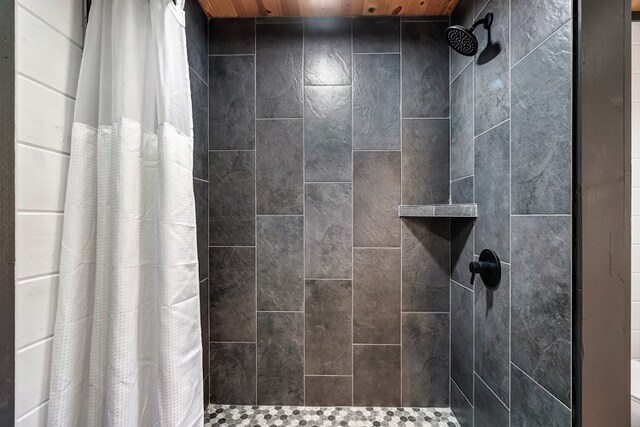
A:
(511, 154)
(319, 293)
(197, 54)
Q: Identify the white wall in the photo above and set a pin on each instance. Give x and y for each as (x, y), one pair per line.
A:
(635, 191)
(48, 52)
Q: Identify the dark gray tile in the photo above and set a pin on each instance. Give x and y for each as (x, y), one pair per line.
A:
(425, 162)
(376, 196)
(462, 124)
(327, 51)
(461, 250)
(327, 133)
(425, 265)
(328, 327)
(280, 263)
(532, 405)
(279, 168)
(206, 385)
(328, 231)
(200, 109)
(488, 411)
(278, 20)
(376, 375)
(231, 36)
(541, 18)
(462, 190)
(376, 296)
(201, 195)
(231, 198)
(492, 187)
(541, 128)
(541, 301)
(231, 102)
(197, 37)
(491, 70)
(461, 15)
(279, 70)
(425, 359)
(462, 338)
(327, 391)
(492, 334)
(232, 294)
(280, 358)
(479, 7)
(233, 373)
(425, 69)
(376, 102)
(376, 35)
(461, 407)
(204, 325)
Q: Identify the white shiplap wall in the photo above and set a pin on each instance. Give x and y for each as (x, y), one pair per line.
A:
(635, 191)
(48, 53)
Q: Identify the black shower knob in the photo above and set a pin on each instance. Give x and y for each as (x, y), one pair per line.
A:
(488, 267)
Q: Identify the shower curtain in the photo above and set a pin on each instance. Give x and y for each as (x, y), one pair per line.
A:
(127, 349)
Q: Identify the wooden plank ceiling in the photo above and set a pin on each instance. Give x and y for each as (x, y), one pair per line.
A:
(292, 8)
(635, 5)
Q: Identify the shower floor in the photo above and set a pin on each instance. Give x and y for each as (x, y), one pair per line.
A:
(310, 416)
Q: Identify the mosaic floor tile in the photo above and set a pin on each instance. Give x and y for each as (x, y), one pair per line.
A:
(254, 416)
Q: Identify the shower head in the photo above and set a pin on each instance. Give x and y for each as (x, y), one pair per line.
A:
(462, 39)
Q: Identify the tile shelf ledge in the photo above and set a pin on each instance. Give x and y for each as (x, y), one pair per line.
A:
(469, 210)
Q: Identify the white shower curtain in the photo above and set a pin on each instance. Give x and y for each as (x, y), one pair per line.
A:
(127, 349)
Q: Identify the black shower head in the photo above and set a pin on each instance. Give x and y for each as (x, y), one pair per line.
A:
(462, 39)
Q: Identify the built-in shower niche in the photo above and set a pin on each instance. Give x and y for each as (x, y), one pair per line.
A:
(460, 210)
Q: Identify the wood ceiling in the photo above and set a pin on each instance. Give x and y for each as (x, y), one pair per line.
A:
(635, 5)
(293, 8)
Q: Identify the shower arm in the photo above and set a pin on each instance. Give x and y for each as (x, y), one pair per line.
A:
(486, 22)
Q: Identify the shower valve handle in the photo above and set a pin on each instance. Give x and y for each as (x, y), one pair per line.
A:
(488, 267)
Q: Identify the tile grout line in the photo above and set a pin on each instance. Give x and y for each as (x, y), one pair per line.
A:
(304, 229)
(543, 388)
(255, 187)
(351, 95)
(400, 220)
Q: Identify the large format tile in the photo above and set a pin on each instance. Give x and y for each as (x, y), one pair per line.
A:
(200, 109)
(376, 196)
(328, 327)
(532, 405)
(280, 263)
(425, 265)
(233, 373)
(425, 162)
(279, 70)
(462, 338)
(488, 410)
(196, 29)
(492, 187)
(231, 198)
(461, 15)
(376, 375)
(204, 325)
(376, 296)
(376, 35)
(231, 102)
(461, 407)
(425, 69)
(462, 190)
(232, 294)
(328, 230)
(462, 230)
(327, 51)
(231, 36)
(201, 195)
(327, 133)
(541, 301)
(280, 358)
(279, 168)
(541, 18)
(541, 128)
(462, 125)
(491, 70)
(425, 359)
(492, 334)
(376, 102)
(327, 391)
